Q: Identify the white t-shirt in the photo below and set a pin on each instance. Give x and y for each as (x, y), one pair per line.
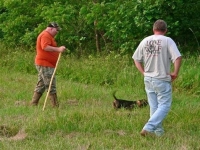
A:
(157, 52)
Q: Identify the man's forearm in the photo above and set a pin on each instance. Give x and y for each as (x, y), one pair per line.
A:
(139, 66)
(177, 65)
(51, 49)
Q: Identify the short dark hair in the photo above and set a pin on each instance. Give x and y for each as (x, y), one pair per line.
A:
(160, 25)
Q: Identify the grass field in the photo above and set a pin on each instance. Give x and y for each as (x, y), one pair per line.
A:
(86, 119)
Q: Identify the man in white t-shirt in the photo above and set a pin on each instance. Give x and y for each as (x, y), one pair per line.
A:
(153, 59)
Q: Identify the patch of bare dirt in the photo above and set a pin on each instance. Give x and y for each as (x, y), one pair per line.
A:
(8, 133)
(21, 135)
(84, 147)
(21, 103)
(72, 134)
(120, 132)
(72, 102)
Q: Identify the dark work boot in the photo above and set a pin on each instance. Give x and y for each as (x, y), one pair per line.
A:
(35, 99)
(54, 101)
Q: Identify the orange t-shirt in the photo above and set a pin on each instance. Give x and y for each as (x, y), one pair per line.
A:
(45, 58)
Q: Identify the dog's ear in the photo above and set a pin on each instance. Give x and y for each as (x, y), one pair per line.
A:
(142, 102)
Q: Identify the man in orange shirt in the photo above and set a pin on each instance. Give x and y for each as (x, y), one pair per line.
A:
(45, 61)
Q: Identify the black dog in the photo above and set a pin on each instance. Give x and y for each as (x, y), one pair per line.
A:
(120, 103)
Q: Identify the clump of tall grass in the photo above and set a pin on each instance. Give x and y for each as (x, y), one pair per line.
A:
(112, 70)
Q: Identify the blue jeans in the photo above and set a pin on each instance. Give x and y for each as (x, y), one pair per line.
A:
(159, 94)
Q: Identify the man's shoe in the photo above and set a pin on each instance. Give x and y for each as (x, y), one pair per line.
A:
(144, 133)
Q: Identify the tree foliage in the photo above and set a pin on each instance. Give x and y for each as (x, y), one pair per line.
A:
(98, 25)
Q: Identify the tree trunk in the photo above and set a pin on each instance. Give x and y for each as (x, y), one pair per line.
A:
(97, 38)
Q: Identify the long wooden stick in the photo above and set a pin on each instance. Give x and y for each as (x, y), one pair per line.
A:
(51, 81)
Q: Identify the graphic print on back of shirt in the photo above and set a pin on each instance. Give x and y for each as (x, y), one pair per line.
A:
(153, 48)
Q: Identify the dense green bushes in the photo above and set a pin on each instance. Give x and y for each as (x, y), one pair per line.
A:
(95, 26)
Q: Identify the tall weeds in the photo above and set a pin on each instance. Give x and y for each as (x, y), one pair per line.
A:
(112, 70)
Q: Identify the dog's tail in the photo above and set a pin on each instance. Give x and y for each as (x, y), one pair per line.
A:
(115, 102)
(114, 95)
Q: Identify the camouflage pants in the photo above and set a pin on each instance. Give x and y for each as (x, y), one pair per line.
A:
(44, 78)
